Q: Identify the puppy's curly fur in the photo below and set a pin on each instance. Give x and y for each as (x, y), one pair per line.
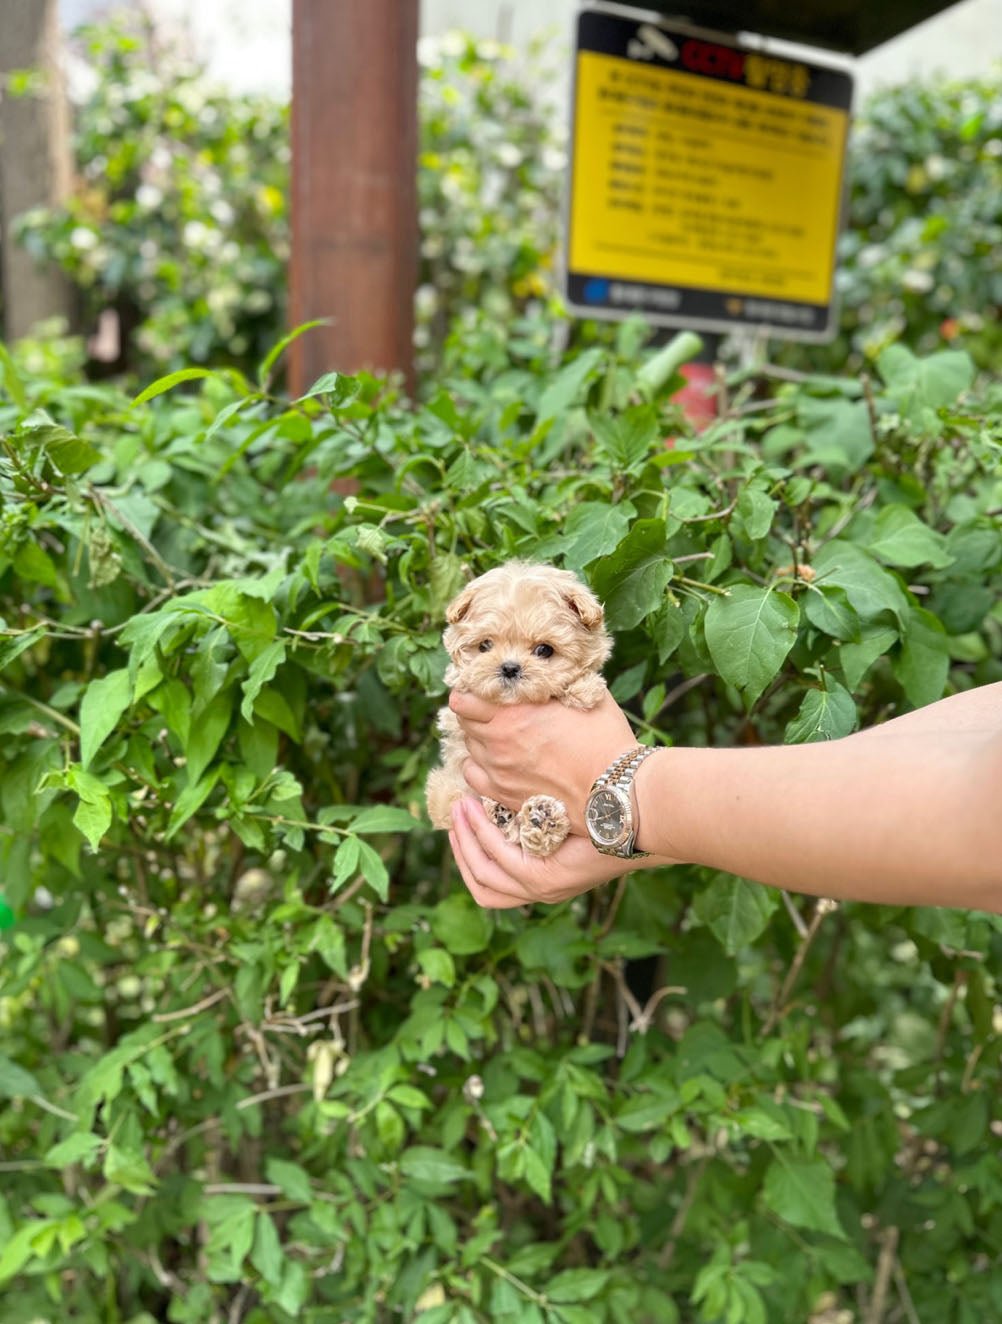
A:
(521, 633)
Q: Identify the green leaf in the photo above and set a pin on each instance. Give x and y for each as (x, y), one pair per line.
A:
(632, 581)
(438, 965)
(828, 713)
(231, 1220)
(65, 451)
(373, 870)
(929, 383)
(129, 1169)
(224, 416)
(749, 634)
(207, 730)
(15, 1082)
(594, 529)
(646, 1112)
(168, 383)
(74, 1149)
(408, 1097)
(426, 1164)
(900, 538)
(93, 818)
(829, 610)
(11, 648)
(190, 801)
(460, 925)
(735, 911)
(577, 1285)
(276, 351)
(262, 670)
(568, 385)
(13, 383)
(293, 1180)
(872, 591)
(756, 510)
(267, 1255)
(839, 434)
(859, 656)
(627, 438)
(382, 818)
(802, 1191)
(104, 702)
(34, 564)
(20, 1248)
(924, 663)
(339, 387)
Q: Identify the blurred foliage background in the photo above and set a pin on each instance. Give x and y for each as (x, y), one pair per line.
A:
(180, 220)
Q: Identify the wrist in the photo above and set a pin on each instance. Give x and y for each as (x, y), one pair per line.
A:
(658, 789)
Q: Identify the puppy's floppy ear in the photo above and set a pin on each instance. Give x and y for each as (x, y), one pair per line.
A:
(461, 604)
(583, 603)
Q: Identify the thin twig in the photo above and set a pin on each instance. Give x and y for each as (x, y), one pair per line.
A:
(206, 1002)
(905, 1297)
(794, 913)
(102, 499)
(279, 1092)
(242, 1188)
(825, 906)
(885, 1270)
(682, 1213)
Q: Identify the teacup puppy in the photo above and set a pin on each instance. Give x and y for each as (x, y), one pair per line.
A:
(521, 633)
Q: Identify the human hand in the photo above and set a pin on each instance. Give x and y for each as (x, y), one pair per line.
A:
(501, 875)
(520, 750)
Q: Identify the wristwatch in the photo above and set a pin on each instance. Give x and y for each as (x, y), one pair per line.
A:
(611, 810)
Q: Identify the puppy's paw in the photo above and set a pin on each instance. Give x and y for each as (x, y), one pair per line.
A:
(542, 824)
(501, 817)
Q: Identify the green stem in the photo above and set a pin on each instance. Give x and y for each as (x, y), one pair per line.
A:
(509, 1277)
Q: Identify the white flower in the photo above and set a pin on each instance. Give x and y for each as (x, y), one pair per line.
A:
(918, 282)
(149, 196)
(83, 239)
(509, 155)
(196, 234)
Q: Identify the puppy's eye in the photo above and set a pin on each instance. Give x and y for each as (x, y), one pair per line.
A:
(543, 650)
(485, 645)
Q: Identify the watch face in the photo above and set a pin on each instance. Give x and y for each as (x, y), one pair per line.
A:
(607, 817)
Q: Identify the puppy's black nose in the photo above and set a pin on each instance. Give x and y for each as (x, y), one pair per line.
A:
(510, 670)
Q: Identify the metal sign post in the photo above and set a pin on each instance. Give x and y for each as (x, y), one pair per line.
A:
(706, 179)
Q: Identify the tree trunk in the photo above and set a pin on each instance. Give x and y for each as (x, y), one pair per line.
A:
(35, 168)
(354, 187)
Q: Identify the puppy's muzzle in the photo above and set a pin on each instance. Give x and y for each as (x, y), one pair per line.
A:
(509, 671)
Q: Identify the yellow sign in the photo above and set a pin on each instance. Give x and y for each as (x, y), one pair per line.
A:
(706, 180)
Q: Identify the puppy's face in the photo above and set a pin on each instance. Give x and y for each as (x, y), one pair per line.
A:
(522, 633)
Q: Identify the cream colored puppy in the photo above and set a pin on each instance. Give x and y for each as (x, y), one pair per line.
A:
(522, 633)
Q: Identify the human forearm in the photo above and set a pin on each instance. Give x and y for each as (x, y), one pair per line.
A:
(909, 819)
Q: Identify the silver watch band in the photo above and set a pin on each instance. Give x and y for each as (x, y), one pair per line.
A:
(621, 774)
(623, 770)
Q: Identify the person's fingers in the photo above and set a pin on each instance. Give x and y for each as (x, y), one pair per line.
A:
(480, 873)
(471, 708)
(493, 862)
(478, 780)
(483, 896)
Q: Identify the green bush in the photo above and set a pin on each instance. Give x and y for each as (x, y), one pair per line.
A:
(264, 1060)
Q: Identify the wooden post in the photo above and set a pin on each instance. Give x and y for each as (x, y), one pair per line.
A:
(35, 166)
(354, 186)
